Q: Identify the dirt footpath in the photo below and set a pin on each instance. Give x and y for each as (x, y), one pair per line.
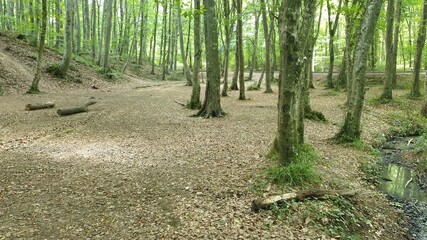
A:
(136, 166)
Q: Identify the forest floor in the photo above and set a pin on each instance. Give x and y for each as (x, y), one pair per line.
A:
(137, 166)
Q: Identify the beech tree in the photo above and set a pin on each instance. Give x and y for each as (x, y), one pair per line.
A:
(195, 94)
(333, 25)
(35, 84)
(294, 23)
(415, 91)
(212, 103)
(68, 49)
(351, 129)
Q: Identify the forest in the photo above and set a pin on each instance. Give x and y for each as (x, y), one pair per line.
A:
(204, 119)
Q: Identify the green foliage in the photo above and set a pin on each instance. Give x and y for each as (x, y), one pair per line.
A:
(404, 124)
(297, 172)
(420, 145)
(371, 169)
(253, 87)
(335, 215)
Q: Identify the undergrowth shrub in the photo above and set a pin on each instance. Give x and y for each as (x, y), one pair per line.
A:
(297, 172)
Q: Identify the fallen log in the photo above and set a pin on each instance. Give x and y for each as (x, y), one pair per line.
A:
(74, 110)
(180, 103)
(268, 202)
(37, 106)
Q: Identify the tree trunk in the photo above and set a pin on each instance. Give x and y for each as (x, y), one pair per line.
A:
(212, 103)
(388, 80)
(163, 54)
(332, 30)
(227, 30)
(35, 84)
(78, 28)
(267, 67)
(415, 91)
(239, 34)
(93, 40)
(286, 143)
(351, 129)
(153, 48)
(107, 44)
(396, 40)
(58, 14)
(63, 68)
(254, 47)
(181, 45)
(86, 24)
(195, 94)
(424, 108)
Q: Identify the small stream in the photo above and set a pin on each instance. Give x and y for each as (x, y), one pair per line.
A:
(401, 185)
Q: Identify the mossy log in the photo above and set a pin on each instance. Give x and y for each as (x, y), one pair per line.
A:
(37, 106)
(74, 110)
(268, 202)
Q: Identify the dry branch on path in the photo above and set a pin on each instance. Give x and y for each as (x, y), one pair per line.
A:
(37, 106)
(266, 203)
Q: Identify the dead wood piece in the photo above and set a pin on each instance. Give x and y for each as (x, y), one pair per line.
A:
(37, 106)
(91, 102)
(180, 103)
(74, 110)
(266, 203)
(70, 111)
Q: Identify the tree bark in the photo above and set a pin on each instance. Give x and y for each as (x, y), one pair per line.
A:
(181, 45)
(227, 32)
(37, 106)
(78, 28)
(332, 30)
(351, 129)
(107, 44)
(415, 91)
(286, 143)
(388, 80)
(254, 47)
(153, 48)
(239, 34)
(212, 103)
(63, 68)
(35, 84)
(267, 66)
(195, 93)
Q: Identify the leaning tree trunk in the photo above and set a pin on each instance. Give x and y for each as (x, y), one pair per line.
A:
(415, 91)
(35, 84)
(388, 80)
(239, 34)
(68, 50)
(195, 94)
(181, 45)
(212, 103)
(332, 30)
(267, 66)
(227, 33)
(351, 129)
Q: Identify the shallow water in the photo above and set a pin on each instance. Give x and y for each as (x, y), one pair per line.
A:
(401, 182)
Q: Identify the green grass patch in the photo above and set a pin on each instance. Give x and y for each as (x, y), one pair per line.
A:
(253, 87)
(407, 124)
(371, 169)
(298, 172)
(331, 93)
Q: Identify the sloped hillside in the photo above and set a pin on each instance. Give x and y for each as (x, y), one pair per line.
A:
(17, 67)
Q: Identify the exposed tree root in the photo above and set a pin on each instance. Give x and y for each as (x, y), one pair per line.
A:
(315, 115)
